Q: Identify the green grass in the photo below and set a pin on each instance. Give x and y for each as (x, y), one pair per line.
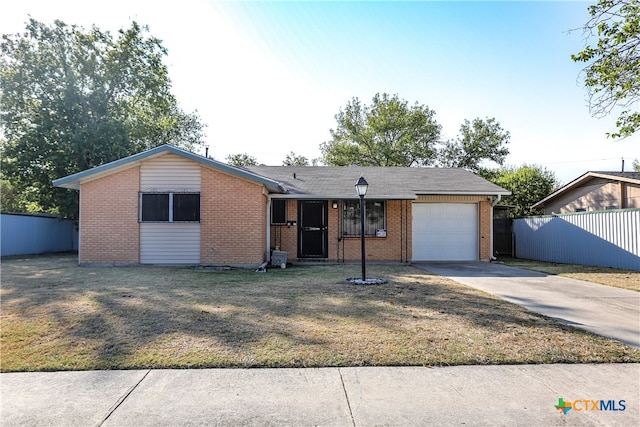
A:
(58, 316)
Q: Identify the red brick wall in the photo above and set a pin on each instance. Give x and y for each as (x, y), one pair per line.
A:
(484, 209)
(286, 237)
(232, 220)
(395, 247)
(109, 229)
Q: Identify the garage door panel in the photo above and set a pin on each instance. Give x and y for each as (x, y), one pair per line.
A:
(445, 232)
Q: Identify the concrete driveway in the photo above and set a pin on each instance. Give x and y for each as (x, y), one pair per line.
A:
(603, 310)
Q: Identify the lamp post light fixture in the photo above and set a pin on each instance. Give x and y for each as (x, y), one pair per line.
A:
(361, 188)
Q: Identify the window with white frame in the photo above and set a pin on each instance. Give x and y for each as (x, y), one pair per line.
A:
(169, 207)
(375, 217)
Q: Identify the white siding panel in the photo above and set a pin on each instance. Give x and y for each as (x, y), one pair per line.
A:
(170, 243)
(445, 232)
(170, 173)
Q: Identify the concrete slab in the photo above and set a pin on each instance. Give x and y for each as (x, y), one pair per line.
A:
(604, 310)
(474, 395)
(492, 395)
(63, 398)
(238, 397)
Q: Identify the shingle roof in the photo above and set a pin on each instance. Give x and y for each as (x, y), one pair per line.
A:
(633, 177)
(320, 181)
(628, 175)
(384, 182)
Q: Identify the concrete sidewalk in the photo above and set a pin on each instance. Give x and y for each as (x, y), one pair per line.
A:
(603, 310)
(401, 396)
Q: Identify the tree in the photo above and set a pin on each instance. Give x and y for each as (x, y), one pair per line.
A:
(636, 165)
(479, 140)
(243, 159)
(392, 133)
(528, 184)
(612, 71)
(387, 133)
(72, 99)
(293, 159)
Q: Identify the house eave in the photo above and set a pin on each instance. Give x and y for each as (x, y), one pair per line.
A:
(463, 193)
(579, 181)
(73, 181)
(413, 196)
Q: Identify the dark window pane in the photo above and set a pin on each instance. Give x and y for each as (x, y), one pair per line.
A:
(186, 207)
(155, 207)
(374, 217)
(278, 211)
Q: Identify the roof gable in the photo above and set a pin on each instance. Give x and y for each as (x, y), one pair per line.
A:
(630, 177)
(74, 181)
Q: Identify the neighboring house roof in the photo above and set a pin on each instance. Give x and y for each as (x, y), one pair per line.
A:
(384, 182)
(74, 181)
(630, 177)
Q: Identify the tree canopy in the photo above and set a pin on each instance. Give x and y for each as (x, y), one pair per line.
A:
(294, 159)
(387, 133)
(479, 141)
(72, 99)
(390, 132)
(241, 159)
(528, 184)
(612, 64)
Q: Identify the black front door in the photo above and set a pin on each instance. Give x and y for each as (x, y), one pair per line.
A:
(312, 228)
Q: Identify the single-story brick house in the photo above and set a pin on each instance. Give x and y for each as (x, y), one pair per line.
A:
(170, 206)
(594, 191)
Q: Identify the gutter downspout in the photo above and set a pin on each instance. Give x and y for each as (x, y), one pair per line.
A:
(268, 246)
(495, 202)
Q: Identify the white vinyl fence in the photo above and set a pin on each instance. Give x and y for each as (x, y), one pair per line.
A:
(24, 234)
(602, 238)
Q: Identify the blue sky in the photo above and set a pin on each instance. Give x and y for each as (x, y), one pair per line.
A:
(268, 77)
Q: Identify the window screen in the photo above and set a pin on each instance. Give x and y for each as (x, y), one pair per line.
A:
(155, 207)
(278, 211)
(186, 207)
(374, 217)
(170, 207)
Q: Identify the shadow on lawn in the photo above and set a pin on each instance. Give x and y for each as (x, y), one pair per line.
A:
(239, 318)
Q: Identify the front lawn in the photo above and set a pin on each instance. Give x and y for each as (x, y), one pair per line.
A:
(624, 279)
(58, 316)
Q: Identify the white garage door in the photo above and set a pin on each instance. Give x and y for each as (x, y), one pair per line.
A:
(445, 232)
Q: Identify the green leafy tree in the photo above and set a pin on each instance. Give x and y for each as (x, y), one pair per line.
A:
(390, 132)
(636, 165)
(72, 99)
(612, 64)
(242, 159)
(479, 141)
(528, 184)
(293, 159)
(11, 200)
